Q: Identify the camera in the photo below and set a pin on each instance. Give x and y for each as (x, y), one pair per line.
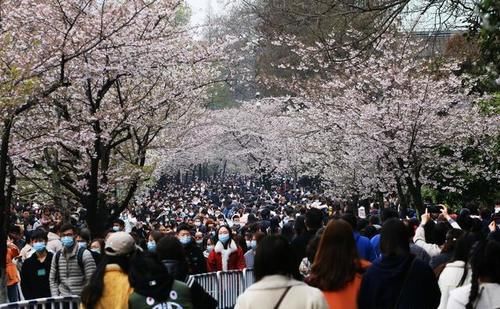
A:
(496, 218)
(436, 209)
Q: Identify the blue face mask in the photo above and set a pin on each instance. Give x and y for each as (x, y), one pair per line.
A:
(39, 246)
(67, 241)
(224, 237)
(253, 244)
(185, 240)
(152, 246)
(82, 244)
(116, 228)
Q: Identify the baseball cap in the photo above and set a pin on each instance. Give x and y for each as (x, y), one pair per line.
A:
(119, 243)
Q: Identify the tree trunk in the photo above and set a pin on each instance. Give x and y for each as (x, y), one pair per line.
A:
(415, 190)
(52, 160)
(4, 207)
(91, 203)
(224, 170)
(403, 201)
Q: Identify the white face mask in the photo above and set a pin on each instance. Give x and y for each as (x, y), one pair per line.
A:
(210, 248)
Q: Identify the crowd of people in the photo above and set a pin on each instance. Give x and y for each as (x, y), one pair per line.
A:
(307, 250)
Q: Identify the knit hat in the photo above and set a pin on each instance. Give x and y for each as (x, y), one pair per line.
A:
(119, 243)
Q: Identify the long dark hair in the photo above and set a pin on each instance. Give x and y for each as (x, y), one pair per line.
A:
(485, 266)
(462, 252)
(273, 256)
(451, 239)
(94, 289)
(337, 261)
(230, 236)
(394, 238)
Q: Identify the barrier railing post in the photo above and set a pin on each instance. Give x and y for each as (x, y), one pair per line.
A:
(248, 278)
(44, 303)
(231, 286)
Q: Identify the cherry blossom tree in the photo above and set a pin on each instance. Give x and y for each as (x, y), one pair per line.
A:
(386, 118)
(259, 137)
(130, 71)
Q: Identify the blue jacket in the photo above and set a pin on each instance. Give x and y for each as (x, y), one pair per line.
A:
(375, 241)
(365, 249)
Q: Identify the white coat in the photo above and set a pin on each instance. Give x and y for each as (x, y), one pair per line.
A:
(450, 278)
(419, 240)
(489, 297)
(266, 293)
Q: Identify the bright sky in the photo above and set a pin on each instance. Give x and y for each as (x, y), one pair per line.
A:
(200, 9)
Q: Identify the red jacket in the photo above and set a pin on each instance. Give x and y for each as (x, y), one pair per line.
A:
(236, 260)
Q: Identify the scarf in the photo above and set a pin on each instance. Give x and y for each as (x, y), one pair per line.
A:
(225, 253)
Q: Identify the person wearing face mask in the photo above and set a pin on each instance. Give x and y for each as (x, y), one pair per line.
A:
(227, 255)
(209, 248)
(118, 226)
(72, 267)
(194, 254)
(97, 249)
(153, 240)
(36, 269)
(198, 225)
(198, 238)
(83, 240)
(221, 220)
(252, 246)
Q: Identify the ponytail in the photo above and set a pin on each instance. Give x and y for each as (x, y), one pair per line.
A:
(476, 260)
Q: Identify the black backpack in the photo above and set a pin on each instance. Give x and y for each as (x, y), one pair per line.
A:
(79, 257)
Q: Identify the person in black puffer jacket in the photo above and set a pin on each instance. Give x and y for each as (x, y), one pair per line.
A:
(194, 255)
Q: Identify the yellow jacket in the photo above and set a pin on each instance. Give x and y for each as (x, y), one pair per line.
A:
(116, 291)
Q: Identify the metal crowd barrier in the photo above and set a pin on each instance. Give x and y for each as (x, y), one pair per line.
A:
(208, 281)
(224, 286)
(248, 277)
(58, 302)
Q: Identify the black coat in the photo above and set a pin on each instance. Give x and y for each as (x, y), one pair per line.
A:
(195, 259)
(388, 284)
(35, 277)
(299, 246)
